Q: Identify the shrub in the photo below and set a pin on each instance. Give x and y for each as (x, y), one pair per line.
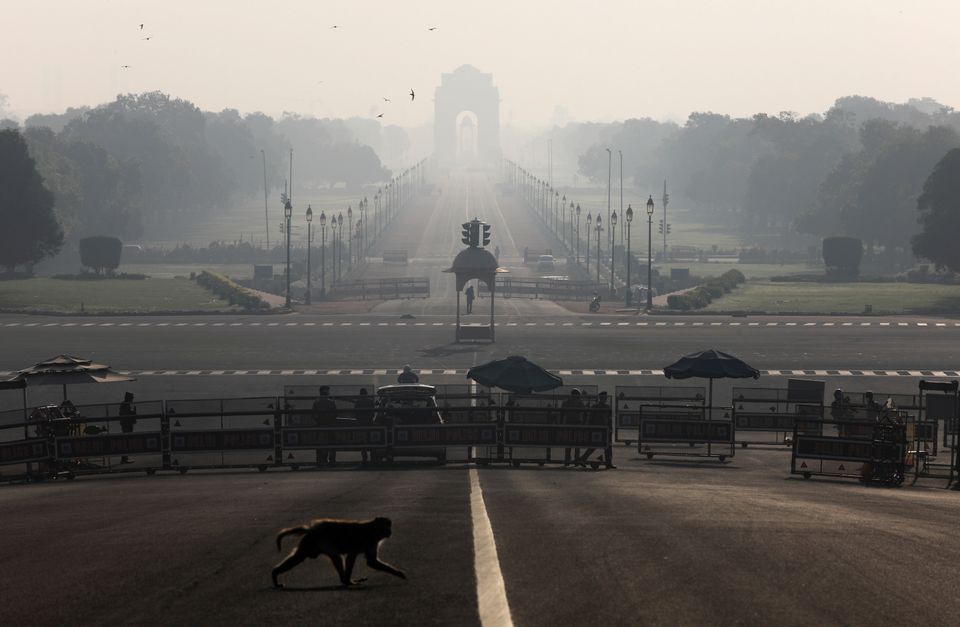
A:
(229, 291)
(100, 252)
(842, 256)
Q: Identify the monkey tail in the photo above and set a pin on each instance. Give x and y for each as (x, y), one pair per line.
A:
(289, 532)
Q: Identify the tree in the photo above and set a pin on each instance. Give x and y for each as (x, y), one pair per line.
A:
(842, 256)
(101, 252)
(29, 230)
(939, 208)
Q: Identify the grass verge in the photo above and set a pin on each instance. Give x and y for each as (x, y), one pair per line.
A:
(849, 298)
(108, 296)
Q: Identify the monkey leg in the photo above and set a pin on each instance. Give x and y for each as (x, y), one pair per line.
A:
(374, 563)
(351, 561)
(296, 557)
(338, 564)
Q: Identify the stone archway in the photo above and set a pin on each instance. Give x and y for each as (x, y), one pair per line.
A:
(466, 90)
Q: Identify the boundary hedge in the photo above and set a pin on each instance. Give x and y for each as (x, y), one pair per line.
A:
(229, 291)
(702, 295)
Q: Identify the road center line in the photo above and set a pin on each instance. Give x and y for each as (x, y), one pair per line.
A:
(491, 591)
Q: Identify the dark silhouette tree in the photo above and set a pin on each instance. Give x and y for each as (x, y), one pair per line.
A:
(101, 252)
(29, 230)
(939, 207)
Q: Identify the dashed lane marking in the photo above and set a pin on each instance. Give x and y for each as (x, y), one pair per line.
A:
(594, 324)
(588, 372)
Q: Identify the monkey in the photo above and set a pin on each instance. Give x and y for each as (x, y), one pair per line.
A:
(335, 538)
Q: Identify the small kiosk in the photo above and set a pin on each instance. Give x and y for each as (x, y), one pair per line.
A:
(475, 263)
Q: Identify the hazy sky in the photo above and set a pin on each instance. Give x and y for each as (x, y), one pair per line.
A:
(601, 60)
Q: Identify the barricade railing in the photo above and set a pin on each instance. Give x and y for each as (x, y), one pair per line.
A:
(679, 431)
(381, 289)
(294, 431)
(630, 398)
(770, 411)
(939, 404)
(395, 256)
(826, 448)
(551, 289)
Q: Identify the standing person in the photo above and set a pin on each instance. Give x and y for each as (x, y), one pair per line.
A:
(363, 407)
(325, 415)
(496, 253)
(470, 297)
(127, 413)
(571, 413)
(839, 411)
(408, 376)
(598, 415)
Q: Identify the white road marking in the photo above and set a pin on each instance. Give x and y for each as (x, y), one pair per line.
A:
(491, 591)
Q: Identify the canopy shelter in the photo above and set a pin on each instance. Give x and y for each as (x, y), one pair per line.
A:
(710, 364)
(475, 263)
(68, 370)
(514, 374)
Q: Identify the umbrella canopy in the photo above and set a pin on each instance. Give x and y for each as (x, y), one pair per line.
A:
(710, 364)
(67, 370)
(514, 374)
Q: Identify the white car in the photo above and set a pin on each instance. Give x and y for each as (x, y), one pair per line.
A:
(545, 262)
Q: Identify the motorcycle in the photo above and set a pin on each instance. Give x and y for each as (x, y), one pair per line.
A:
(595, 304)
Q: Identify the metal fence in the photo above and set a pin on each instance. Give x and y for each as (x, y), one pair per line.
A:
(551, 289)
(380, 289)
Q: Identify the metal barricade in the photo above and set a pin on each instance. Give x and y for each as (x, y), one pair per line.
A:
(629, 398)
(771, 411)
(222, 433)
(832, 452)
(681, 431)
(939, 402)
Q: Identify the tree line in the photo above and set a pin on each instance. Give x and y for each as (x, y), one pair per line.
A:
(151, 160)
(856, 170)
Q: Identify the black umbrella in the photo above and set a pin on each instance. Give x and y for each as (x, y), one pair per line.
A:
(514, 374)
(710, 364)
(68, 370)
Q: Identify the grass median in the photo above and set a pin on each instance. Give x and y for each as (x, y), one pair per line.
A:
(846, 298)
(145, 296)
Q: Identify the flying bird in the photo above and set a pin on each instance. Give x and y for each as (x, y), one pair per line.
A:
(145, 39)
(412, 95)
(141, 27)
(334, 26)
(432, 28)
(125, 66)
(380, 116)
(386, 100)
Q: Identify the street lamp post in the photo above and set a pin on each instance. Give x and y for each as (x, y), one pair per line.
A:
(309, 241)
(649, 253)
(578, 232)
(629, 220)
(613, 252)
(349, 238)
(620, 152)
(287, 214)
(589, 224)
(323, 255)
(339, 245)
(572, 212)
(599, 229)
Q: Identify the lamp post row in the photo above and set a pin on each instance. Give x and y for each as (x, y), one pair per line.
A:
(398, 190)
(544, 198)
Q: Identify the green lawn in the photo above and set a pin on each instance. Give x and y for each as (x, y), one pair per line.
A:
(885, 298)
(749, 270)
(246, 221)
(173, 270)
(108, 296)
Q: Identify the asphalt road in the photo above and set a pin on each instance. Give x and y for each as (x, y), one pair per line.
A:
(649, 543)
(653, 542)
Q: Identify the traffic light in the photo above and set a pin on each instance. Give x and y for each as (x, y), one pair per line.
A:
(486, 233)
(668, 228)
(465, 234)
(660, 228)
